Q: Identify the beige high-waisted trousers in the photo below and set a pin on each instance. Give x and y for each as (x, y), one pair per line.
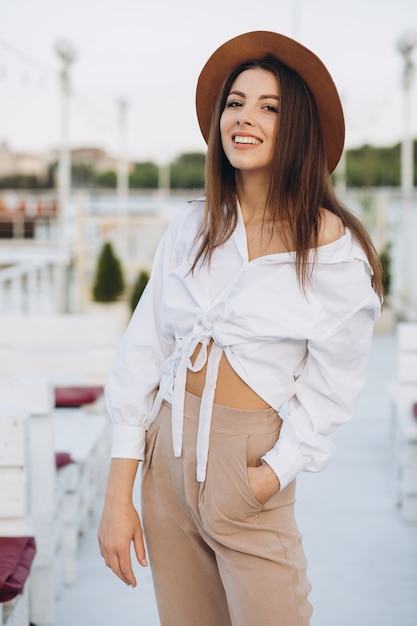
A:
(218, 556)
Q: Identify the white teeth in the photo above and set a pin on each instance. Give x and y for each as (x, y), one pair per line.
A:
(253, 140)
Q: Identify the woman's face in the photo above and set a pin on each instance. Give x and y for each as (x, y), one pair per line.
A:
(249, 122)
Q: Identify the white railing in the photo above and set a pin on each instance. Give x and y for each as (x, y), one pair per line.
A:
(135, 231)
(36, 286)
(391, 218)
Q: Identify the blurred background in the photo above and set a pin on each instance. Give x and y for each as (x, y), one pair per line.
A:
(99, 148)
(99, 138)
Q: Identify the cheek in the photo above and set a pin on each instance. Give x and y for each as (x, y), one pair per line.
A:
(223, 122)
(223, 129)
(273, 132)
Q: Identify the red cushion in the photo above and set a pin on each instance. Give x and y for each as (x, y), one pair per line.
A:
(62, 459)
(76, 396)
(17, 554)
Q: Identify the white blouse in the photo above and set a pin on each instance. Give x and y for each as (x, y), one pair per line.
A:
(304, 353)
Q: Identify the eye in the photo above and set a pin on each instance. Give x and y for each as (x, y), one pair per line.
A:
(271, 108)
(232, 104)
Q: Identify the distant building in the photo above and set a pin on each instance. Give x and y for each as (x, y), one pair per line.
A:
(27, 164)
(97, 158)
(21, 163)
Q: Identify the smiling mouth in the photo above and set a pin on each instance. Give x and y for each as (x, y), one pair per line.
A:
(247, 140)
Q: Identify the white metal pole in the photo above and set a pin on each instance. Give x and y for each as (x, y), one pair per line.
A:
(164, 184)
(67, 55)
(64, 169)
(407, 143)
(406, 46)
(123, 180)
(122, 165)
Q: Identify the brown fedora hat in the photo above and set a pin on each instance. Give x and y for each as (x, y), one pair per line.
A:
(257, 45)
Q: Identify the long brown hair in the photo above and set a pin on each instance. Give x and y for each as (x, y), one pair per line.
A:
(299, 185)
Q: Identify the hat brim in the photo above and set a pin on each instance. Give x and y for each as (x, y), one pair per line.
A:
(257, 45)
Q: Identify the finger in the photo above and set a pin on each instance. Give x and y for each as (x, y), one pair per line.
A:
(118, 560)
(140, 549)
(126, 569)
(120, 564)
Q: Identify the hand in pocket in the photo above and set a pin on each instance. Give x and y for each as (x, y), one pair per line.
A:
(263, 482)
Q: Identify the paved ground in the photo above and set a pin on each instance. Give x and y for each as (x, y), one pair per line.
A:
(363, 558)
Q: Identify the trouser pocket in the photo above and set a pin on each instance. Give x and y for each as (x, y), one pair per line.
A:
(226, 496)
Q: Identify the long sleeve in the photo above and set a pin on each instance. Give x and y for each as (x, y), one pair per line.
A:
(325, 395)
(135, 374)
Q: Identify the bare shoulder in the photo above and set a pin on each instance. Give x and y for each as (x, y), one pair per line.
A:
(331, 228)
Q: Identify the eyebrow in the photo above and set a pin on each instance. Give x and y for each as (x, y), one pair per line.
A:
(263, 97)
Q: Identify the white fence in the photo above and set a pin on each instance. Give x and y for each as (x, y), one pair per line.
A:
(391, 219)
(136, 230)
(405, 421)
(39, 354)
(36, 286)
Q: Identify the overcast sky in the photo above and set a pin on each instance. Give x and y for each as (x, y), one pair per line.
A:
(150, 52)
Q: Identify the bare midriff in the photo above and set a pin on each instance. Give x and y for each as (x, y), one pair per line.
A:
(231, 390)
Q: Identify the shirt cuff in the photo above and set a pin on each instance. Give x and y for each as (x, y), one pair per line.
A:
(128, 442)
(286, 462)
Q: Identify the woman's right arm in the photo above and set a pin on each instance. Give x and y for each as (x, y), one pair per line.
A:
(130, 391)
(120, 524)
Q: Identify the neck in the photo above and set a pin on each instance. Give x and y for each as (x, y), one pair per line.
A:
(252, 193)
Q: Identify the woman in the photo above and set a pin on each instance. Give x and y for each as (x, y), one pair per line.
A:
(248, 348)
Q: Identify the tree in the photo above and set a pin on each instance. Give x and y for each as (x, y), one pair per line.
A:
(109, 281)
(144, 176)
(371, 166)
(20, 181)
(188, 171)
(138, 289)
(107, 179)
(82, 175)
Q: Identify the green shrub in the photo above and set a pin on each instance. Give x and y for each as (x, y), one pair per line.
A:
(144, 176)
(107, 179)
(109, 281)
(385, 259)
(138, 288)
(188, 171)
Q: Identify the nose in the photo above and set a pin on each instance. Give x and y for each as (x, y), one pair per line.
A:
(244, 117)
(241, 120)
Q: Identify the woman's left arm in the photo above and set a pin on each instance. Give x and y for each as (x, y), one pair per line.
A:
(326, 392)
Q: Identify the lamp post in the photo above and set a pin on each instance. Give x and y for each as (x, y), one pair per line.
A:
(123, 179)
(67, 55)
(122, 164)
(406, 45)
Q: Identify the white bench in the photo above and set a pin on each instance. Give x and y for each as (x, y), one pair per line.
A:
(27, 484)
(405, 422)
(37, 499)
(14, 426)
(16, 611)
(56, 350)
(86, 436)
